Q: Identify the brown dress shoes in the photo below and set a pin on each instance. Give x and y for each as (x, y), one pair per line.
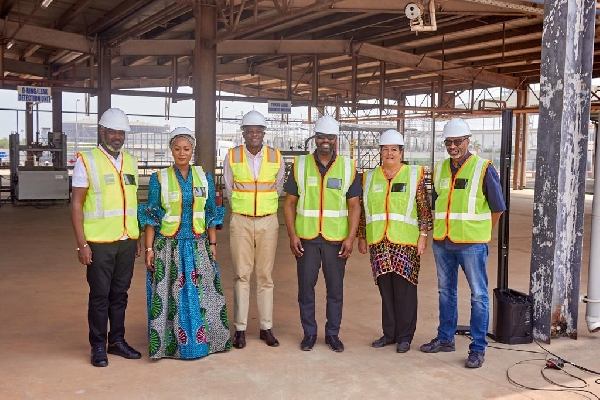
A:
(268, 337)
(239, 339)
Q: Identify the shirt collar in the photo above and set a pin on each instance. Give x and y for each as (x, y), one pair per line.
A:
(330, 161)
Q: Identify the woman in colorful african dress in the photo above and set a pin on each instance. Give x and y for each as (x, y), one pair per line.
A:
(394, 224)
(187, 314)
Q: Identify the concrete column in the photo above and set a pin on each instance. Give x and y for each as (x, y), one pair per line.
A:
(205, 85)
(104, 80)
(57, 109)
(566, 73)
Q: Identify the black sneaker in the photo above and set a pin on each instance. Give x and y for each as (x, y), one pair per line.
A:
(436, 346)
(475, 359)
(308, 342)
(99, 357)
(124, 350)
(334, 343)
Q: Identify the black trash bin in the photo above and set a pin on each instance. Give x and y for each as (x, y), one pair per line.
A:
(512, 317)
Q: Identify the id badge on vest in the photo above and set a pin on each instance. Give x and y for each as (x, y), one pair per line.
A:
(173, 196)
(109, 179)
(334, 183)
(399, 187)
(199, 191)
(129, 179)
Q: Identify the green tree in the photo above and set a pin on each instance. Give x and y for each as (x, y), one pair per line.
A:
(4, 143)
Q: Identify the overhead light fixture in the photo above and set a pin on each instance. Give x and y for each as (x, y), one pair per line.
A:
(46, 3)
(9, 44)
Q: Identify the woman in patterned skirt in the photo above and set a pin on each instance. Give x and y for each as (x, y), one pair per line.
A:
(394, 224)
(187, 314)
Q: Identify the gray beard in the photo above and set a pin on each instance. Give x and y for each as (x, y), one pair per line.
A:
(108, 146)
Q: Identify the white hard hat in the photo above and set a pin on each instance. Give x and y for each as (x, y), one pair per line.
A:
(182, 131)
(456, 127)
(391, 136)
(327, 124)
(254, 118)
(115, 118)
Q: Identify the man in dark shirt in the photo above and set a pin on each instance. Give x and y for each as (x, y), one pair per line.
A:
(468, 203)
(322, 228)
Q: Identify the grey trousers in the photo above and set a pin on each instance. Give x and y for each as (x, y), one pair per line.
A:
(317, 255)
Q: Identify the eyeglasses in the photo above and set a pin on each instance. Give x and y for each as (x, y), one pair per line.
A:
(456, 142)
(323, 136)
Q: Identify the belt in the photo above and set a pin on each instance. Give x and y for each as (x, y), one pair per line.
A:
(256, 216)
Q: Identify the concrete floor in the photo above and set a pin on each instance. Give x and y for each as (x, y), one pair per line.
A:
(45, 354)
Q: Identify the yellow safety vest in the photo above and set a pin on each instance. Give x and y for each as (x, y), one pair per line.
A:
(171, 200)
(391, 207)
(462, 212)
(322, 206)
(254, 197)
(110, 206)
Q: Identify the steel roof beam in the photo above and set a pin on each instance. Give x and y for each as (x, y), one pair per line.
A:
(48, 37)
(423, 63)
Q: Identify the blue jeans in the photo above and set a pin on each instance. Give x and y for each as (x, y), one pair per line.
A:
(473, 260)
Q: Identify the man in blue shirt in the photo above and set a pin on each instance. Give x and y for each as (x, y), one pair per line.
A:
(468, 203)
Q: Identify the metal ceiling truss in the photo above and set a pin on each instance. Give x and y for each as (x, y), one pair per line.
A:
(354, 54)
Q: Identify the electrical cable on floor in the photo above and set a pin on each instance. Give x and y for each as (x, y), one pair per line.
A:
(556, 363)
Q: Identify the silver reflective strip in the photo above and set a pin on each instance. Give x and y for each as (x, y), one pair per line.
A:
(130, 212)
(347, 176)
(437, 177)
(335, 214)
(368, 181)
(202, 176)
(441, 215)
(171, 218)
(103, 214)
(237, 154)
(308, 213)
(403, 218)
(271, 155)
(164, 190)
(198, 215)
(470, 216)
(250, 186)
(95, 177)
(301, 188)
(475, 186)
(414, 170)
(375, 217)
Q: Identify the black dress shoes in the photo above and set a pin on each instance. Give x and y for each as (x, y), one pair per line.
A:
(308, 342)
(99, 357)
(381, 342)
(239, 339)
(334, 343)
(268, 337)
(124, 350)
(403, 347)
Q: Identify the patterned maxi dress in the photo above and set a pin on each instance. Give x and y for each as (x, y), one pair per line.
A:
(187, 314)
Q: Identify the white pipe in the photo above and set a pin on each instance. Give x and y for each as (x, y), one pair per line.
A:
(592, 300)
(432, 27)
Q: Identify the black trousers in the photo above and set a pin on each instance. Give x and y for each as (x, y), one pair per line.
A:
(317, 255)
(398, 307)
(109, 276)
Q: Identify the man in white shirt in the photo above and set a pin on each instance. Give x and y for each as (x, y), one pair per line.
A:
(104, 217)
(253, 175)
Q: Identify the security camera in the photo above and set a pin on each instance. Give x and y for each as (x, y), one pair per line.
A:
(413, 11)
